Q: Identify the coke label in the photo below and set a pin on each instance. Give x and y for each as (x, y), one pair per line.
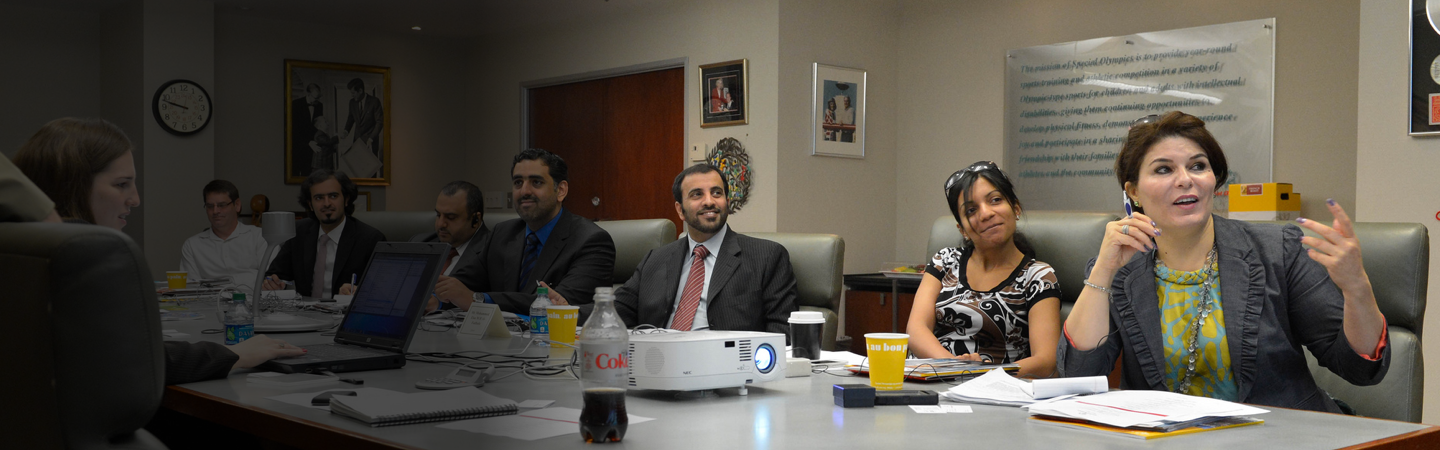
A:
(605, 363)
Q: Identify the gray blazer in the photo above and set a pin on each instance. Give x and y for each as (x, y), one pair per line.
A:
(1275, 299)
(752, 287)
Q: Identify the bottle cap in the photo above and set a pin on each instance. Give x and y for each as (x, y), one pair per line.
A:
(239, 297)
(605, 290)
(542, 291)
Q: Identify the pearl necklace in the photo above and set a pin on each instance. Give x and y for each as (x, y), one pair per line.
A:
(1207, 282)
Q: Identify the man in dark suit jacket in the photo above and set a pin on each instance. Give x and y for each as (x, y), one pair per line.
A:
(744, 284)
(460, 222)
(366, 118)
(303, 112)
(565, 252)
(330, 198)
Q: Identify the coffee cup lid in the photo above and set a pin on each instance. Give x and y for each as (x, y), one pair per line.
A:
(807, 317)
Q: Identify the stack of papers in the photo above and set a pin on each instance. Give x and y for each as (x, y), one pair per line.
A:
(1142, 409)
(997, 387)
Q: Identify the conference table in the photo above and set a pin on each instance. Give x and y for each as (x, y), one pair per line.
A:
(789, 413)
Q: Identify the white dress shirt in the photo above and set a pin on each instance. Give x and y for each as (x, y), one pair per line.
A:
(239, 256)
(702, 321)
(330, 249)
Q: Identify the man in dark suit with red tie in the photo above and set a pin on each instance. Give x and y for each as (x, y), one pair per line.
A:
(329, 196)
(460, 222)
(547, 245)
(715, 278)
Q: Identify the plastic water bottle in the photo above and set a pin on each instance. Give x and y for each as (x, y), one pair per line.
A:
(239, 319)
(604, 371)
(539, 320)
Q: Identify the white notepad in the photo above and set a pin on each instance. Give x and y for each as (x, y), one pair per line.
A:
(433, 406)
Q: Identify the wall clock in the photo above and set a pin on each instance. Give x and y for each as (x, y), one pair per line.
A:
(182, 107)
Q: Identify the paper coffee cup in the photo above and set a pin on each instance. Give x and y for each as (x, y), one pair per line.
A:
(562, 322)
(805, 331)
(176, 279)
(886, 353)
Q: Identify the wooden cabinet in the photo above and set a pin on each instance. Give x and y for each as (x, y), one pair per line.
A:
(871, 312)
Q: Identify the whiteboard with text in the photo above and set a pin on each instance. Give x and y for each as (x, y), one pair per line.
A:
(1069, 106)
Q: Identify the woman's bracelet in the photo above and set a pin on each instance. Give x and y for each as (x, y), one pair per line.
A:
(1096, 286)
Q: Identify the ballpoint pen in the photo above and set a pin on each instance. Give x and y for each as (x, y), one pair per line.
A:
(1129, 210)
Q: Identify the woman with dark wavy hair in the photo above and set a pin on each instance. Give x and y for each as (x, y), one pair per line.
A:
(1207, 306)
(989, 299)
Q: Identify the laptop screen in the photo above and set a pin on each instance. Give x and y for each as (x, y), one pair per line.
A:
(385, 304)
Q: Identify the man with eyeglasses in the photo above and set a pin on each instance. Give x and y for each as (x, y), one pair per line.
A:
(330, 248)
(228, 248)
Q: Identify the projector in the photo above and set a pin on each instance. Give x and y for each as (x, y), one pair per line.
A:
(707, 359)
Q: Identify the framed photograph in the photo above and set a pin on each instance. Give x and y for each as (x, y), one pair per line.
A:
(337, 116)
(837, 115)
(1424, 71)
(724, 97)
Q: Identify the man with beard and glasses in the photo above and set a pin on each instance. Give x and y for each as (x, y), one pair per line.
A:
(329, 196)
(547, 246)
(716, 278)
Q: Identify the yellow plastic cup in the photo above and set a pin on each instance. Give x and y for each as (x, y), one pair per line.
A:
(176, 279)
(562, 322)
(887, 359)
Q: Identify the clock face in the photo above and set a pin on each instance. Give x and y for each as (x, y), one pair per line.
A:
(182, 107)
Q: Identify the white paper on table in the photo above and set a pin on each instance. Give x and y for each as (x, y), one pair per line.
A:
(530, 425)
(1054, 387)
(174, 334)
(956, 408)
(995, 385)
(303, 399)
(528, 404)
(845, 358)
(1130, 408)
(928, 409)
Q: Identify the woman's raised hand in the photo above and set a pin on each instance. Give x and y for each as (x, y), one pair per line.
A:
(1123, 238)
(1337, 249)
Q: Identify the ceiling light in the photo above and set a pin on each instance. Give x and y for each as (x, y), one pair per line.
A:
(416, 28)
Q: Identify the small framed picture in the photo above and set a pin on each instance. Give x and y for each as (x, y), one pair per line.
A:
(362, 201)
(724, 97)
(837, 116)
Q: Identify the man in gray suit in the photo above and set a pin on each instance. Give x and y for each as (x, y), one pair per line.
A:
(715, 278)
(460, 222)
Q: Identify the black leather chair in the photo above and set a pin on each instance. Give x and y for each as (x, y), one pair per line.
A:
(86, 365)
(1397, 260)
(1066, 240)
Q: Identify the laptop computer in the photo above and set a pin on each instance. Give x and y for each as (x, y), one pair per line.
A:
(383, 314)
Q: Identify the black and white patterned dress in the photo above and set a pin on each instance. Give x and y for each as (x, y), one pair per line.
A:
(994, 322)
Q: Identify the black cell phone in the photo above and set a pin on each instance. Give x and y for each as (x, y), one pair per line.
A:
(324, 398)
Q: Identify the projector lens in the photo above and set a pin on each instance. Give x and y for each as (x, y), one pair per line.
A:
(765, 358)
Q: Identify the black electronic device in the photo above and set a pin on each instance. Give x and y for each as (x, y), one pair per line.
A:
(911, 397)
(324, 398)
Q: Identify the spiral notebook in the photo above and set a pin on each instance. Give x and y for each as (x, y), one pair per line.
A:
(432, 406)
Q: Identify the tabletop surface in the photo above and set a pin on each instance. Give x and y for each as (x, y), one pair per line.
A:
(789, 413)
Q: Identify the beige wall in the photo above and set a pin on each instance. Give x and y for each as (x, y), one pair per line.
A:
(56, 71)
(1394, 172)
(852, 198)
(951, 87)
(427, 111)
(700, 32)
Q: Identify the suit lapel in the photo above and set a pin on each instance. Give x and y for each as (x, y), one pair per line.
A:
(1142, 303)
(725, 264)
(671, 260)
(473, 250)
(1241, 275)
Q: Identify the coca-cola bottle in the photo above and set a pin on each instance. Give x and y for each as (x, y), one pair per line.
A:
(604, 371)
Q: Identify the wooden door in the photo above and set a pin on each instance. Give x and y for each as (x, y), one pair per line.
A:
(622, 138)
